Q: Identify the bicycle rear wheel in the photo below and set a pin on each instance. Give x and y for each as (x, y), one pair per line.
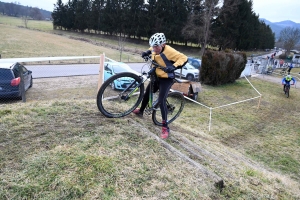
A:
(112, 98)
(175, 104)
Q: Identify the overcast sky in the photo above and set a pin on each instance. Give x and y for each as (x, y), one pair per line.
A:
(274, 10)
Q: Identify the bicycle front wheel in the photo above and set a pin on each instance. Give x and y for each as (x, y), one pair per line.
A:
(120, 95)
(287, 91)
(175, 104)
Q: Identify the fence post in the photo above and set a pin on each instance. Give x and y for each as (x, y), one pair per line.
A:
(22, 85)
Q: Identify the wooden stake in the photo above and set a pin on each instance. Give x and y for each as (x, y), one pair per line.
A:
(101, 71)
(259, 102)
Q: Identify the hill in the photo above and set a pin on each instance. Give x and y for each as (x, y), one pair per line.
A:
(279, 26)
(17, 10)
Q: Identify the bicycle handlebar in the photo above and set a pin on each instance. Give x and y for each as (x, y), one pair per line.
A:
(156, 65)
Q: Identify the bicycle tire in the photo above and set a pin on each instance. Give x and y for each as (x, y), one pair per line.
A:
(287, 91)
(110, 99)
(175, 103)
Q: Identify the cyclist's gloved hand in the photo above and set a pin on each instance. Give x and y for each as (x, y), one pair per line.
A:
(169, 69)
(146, 54)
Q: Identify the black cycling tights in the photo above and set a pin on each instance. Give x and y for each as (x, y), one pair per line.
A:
(164, 85)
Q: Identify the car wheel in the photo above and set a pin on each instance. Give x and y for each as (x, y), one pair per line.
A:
(30, 82)
(19, 97)
(113, 87)
(190, 77)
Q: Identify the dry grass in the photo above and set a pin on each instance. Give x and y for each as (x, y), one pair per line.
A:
(67, 150)
(65, 43)
(19, 43)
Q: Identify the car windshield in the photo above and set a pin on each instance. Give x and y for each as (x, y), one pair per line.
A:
(188, 66)
(6, 74)
(118, 69)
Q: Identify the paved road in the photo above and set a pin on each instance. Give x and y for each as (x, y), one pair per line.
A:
(45, 71)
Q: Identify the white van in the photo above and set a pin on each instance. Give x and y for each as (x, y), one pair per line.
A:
(296, 58)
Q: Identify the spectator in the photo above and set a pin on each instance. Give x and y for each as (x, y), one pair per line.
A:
(281, 63)
(275, 64)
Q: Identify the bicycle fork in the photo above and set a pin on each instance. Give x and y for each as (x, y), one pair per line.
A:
(125, 96)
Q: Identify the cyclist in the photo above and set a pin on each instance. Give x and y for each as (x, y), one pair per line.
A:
(287, 79)
(290, 67)
(169, 59)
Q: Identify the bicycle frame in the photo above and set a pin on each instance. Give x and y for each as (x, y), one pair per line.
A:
(138, 85)
(150, 75)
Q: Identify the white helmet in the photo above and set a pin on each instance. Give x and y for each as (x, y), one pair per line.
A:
(157, 39)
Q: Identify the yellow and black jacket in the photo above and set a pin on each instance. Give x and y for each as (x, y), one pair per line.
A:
(167, 58)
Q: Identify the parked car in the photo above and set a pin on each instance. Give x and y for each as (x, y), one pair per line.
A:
(296, 58)
(195, 62)
(188, 72)
(112, 68)
(10, 80)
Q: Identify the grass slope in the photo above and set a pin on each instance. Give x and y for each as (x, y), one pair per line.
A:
(60, 146)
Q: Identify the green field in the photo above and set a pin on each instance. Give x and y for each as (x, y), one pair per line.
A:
(57, 145)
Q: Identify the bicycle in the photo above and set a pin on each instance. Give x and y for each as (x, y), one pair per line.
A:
(114, 103)
(267, 70)
(287, 89)
(285, 69)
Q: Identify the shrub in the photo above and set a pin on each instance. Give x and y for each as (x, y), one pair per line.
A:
(282, 56)
(219, 68)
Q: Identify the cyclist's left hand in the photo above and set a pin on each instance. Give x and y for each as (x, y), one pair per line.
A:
(169, 69)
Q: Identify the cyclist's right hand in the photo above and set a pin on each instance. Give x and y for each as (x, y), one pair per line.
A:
(146, 54)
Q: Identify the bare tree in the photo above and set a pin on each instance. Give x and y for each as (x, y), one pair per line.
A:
(121, 44)
(25, 21)
(289, 38)
(25, 17)
(200, 18)
(210, 8)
